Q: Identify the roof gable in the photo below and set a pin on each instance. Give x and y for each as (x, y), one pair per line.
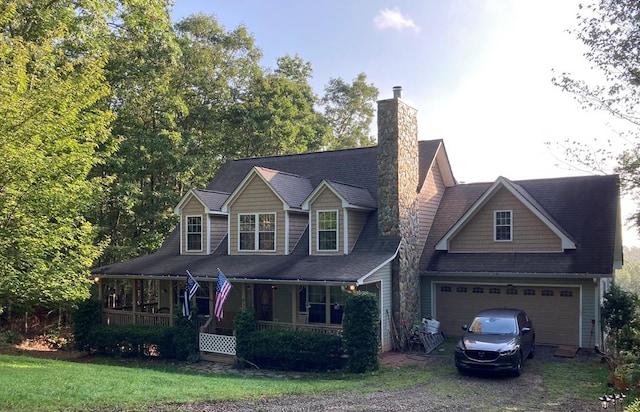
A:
(211, 200)
(351, 196)
(289, 188)
(519, 193)
(586, 207)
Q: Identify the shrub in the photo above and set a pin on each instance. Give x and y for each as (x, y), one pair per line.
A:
(295, 350)
(185, 338)
(360, 331)
(10, 336)
(131, 340)
(85, 317)
(244, 325)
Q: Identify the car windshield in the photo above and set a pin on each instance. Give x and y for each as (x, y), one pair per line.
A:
(493, 325)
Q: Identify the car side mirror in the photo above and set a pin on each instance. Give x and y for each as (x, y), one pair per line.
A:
(465, 327)
(525, 330)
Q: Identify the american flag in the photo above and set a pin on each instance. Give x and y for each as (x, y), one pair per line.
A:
(222, 290)
(189, 292)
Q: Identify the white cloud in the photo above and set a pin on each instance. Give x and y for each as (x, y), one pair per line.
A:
(393, 19)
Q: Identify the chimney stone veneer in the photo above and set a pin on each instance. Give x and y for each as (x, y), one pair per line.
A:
(398, 174)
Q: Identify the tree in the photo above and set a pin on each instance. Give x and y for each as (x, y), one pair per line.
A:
(611, 31)
(349, 110)
(51, 134)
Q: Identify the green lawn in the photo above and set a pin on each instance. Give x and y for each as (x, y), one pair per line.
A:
(31, 384)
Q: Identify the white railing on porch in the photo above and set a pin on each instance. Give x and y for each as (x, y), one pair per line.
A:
(332, 330)
(121, 317)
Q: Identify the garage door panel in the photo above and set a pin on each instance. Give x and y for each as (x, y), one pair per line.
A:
(553, 310)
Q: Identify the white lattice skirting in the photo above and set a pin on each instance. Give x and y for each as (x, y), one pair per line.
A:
(218, 343)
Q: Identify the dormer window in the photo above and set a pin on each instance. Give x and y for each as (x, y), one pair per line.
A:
(327, 221)
(257, 232)
(194, 233)
(503, 227)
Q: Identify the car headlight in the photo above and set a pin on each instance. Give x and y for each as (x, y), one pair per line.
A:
(510, 351)
(460, 347)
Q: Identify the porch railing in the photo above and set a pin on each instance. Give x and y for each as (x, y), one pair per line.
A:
(332, 330)
(120, 317)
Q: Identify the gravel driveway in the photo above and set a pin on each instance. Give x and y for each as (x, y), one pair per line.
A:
(485, 393)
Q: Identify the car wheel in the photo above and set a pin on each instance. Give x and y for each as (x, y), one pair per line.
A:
(532, 352)
(517, 370)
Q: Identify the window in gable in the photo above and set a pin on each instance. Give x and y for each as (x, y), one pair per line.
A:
(257, 236)
(327, 221)
(194, 233)
(503, 226)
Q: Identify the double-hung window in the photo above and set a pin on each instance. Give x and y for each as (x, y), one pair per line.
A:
(257, 231)
(327, 221)
(503, 226)
(194, 233)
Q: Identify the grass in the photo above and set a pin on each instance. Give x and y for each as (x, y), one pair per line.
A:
(32, 384)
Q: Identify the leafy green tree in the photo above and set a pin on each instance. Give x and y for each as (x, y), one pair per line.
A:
(628, 278)
(349, 110)
(51, 135)
(139, 180)
(611, 31)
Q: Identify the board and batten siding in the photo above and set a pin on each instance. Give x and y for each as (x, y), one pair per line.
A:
(356, 220)
(379, 283)
(530, 234)
(193, 207)
(256, 197)
(326, 200)
(298, 223)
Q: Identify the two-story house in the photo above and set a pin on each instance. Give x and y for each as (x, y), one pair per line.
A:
(295, 234)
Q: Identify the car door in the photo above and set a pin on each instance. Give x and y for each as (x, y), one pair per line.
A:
(526, 337)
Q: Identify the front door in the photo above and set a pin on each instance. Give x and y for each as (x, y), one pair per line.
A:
(263, 302)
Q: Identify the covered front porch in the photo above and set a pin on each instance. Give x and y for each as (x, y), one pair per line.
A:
(277, 305)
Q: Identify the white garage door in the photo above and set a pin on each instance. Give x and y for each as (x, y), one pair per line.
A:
(553, 310)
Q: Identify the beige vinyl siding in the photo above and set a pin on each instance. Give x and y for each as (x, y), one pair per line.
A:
(356, 220)
(428, 201)
(217, 230)
(379, 284)
(256, 197)
(298, 223)
(193, 208)
(326, 201)
(530, 234)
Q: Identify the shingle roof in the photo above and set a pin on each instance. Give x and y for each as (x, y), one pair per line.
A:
(355, 196)
(292, 189)
(351, 167)
(585, 207)
(211, 198)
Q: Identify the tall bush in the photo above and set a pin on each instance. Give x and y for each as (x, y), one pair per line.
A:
(360, 332)
(619, 315)
(244, 325)
(85, 317)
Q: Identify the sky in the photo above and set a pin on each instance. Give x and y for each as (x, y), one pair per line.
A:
(478, 72)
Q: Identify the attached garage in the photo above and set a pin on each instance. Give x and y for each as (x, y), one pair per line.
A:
(554, 310)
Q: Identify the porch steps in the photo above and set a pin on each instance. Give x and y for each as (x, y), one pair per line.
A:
(430, 341)
(217, 357)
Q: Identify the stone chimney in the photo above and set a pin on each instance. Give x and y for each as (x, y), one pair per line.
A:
(398, 174)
